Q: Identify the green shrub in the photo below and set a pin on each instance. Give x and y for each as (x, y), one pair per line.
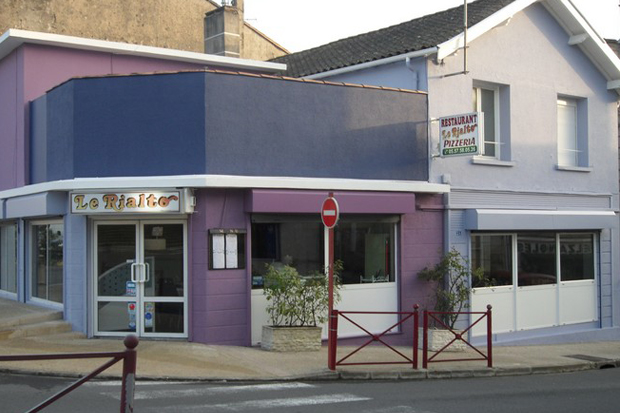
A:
(295, 300)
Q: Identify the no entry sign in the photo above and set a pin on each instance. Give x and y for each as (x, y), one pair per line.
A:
(330, 212)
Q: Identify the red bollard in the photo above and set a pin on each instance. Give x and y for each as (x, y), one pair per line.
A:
(332, 341)
(489, 337)
(416, 334)
(129, 373)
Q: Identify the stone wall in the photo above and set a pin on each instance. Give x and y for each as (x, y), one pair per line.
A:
(176, 24)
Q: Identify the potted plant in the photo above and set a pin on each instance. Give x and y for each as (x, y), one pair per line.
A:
(450, 278)
(297, 306)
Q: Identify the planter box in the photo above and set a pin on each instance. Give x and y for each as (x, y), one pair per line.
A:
(291, 338)
(437, 339)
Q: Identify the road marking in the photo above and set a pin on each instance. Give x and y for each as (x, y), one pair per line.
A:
(274, 403)
(204, 391)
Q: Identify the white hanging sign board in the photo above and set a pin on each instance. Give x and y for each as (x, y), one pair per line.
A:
(461, 134)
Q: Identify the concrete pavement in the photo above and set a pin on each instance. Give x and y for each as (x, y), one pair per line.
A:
(180, 360)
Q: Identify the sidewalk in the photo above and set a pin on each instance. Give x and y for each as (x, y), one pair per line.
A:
(179, 360)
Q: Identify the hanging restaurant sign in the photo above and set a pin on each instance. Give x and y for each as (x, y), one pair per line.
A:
(460, 134)
(125, 202)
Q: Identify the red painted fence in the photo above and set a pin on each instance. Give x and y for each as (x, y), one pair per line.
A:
(129, 357)
(413, 317)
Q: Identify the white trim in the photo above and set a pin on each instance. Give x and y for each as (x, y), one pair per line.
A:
(487, 160)
(577, 39)
(14, 38)
(453, 45)
(227, 181)
(368, 65)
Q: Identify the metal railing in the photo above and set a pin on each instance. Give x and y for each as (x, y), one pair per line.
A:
(129, 357)
(458, 336)
(413, 360)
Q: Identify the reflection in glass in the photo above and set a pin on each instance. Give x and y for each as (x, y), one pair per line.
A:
(163, 317)
(116, 251)
(493, 253)
(366, 250)
(577, 257)
(47, 263)
(117, 316)
(8, 258)
(163, 252)
(537, 263)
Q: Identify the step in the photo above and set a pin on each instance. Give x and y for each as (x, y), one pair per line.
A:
(28, 315)
(36, 329)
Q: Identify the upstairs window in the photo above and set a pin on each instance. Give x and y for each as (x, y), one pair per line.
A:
(572, 133)
(486, 100)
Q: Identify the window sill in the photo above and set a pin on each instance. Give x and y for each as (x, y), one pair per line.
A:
(485, 160)
(574, 168)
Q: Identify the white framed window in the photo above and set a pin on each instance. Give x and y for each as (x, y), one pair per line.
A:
(572, 132)
(8, 258)
(487, 101)
(46, 264)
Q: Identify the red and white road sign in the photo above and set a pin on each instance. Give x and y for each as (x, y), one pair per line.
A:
(330, 212)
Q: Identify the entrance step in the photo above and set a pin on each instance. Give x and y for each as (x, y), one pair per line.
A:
(24, 320)
(45, 328)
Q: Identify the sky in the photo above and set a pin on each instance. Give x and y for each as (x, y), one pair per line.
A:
(303, 24)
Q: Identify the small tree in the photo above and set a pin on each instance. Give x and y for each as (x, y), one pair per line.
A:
(451, 276)
(294, 300)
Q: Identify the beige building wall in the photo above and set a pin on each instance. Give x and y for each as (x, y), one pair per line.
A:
(175, 24)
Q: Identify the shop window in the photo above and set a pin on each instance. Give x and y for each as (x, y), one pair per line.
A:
(572, 133)
(365, 246)
(47, 261)
(226, 249)
(493, 253)
(366, 250)
(537, 257)
(576, 257)
(8, 258)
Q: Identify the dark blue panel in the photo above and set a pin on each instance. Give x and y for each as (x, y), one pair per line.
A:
(139, 125)
(273, 127)
(52, 142)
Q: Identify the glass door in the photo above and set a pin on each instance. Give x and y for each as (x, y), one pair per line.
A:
(140, 270)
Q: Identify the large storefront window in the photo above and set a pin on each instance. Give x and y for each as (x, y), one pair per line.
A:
(8, 258)
(365, 245)
(47, 261)
(537, 257)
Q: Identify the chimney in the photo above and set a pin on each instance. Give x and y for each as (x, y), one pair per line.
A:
(223, 29)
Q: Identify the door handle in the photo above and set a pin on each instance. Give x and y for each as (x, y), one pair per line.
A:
(133, 272)
(147, 272)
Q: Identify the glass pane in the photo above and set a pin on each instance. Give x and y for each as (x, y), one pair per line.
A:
(577, 257)
(47, 262)
(366, 250)
(55, 262)
(163, 256)
(8, 258)
(116, 251)
(117, 316)
(567, 134)
(487, 106)
(163, 317)
(537, 259)
(493, 253)
(298, 244)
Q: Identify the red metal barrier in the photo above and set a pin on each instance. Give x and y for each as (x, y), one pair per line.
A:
(129, 357)
(332, 362)
(458, 336)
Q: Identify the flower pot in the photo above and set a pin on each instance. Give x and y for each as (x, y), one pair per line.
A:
(438, 338)
(277, 338)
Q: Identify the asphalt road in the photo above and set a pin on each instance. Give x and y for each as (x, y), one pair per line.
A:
(596, 391)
